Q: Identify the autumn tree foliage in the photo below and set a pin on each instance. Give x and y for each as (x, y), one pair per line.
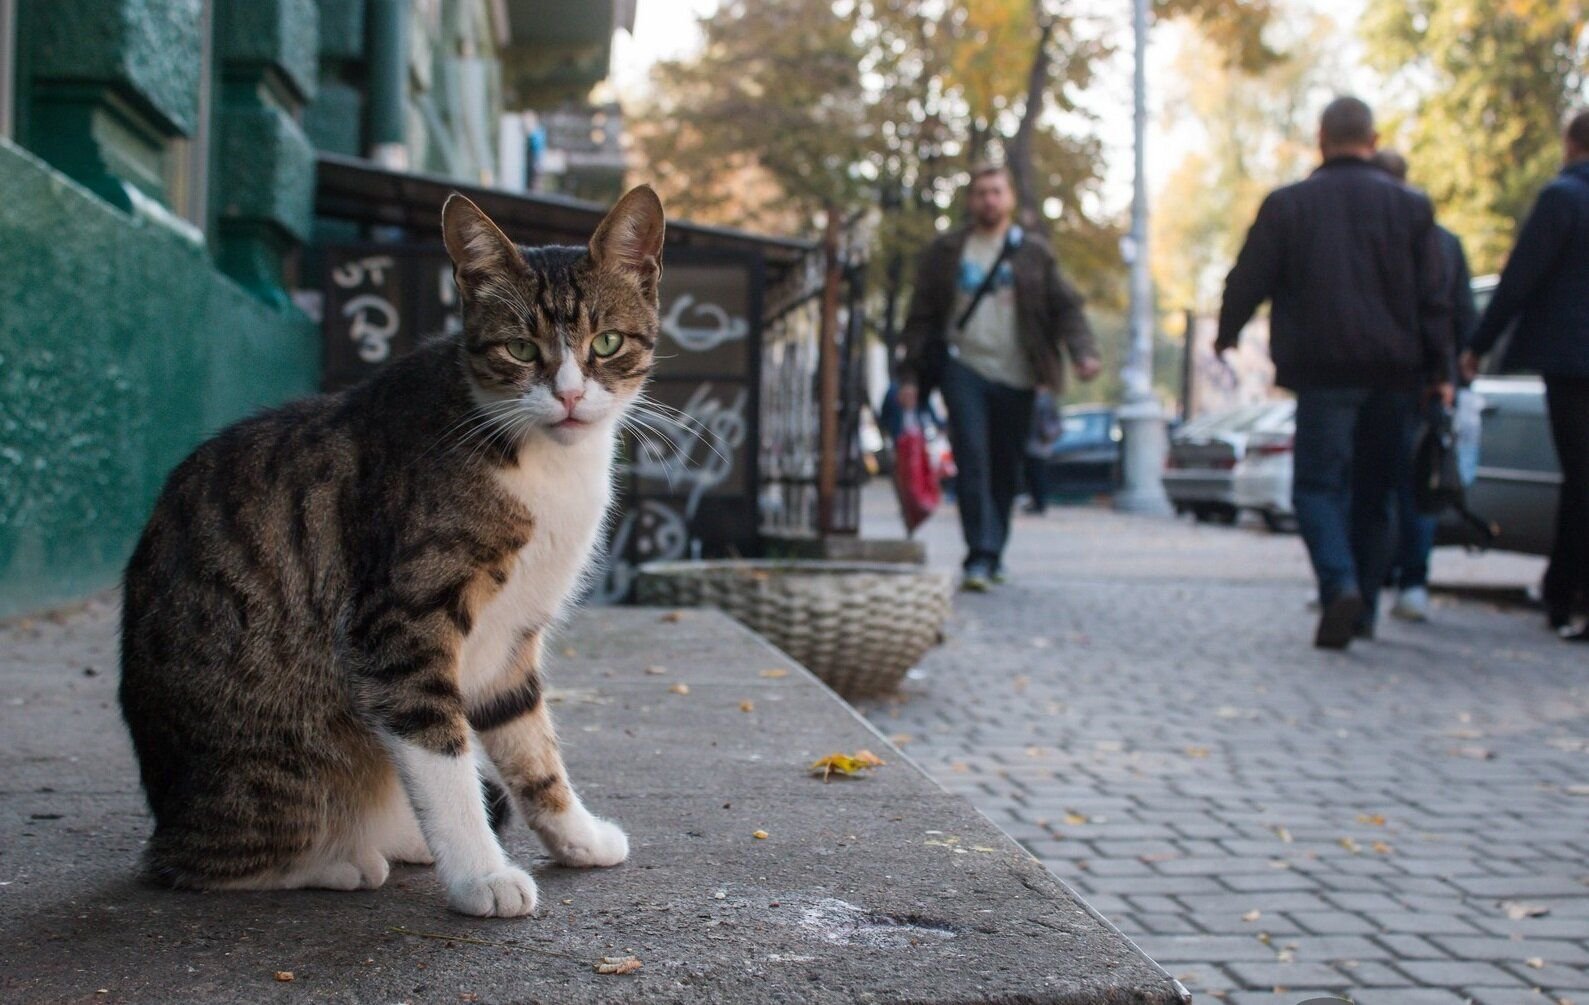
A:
(880, 104)
(1486, 85)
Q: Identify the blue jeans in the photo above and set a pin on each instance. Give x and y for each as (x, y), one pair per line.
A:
(1353, 450)
(988, 426)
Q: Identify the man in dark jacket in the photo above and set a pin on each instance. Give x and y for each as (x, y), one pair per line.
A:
(987, 353)
(1415, 531)
(1545, 288)
(1359, 326)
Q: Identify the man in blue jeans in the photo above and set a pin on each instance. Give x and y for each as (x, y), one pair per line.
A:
(1545, 290)
(1415, 531)
(989, 317)
(1360, 329)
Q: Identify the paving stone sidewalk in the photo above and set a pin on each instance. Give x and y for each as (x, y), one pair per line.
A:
(1143, 709)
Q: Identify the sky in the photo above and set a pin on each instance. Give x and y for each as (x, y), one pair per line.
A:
(667, 29)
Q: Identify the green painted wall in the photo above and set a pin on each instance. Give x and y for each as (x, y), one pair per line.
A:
(121, 347)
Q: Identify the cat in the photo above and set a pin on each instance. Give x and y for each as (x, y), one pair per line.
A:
(333, 620)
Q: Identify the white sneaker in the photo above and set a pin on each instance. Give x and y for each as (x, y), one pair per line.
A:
(1412, 604)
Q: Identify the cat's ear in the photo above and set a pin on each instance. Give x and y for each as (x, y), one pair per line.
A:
(479, 249)
(630, 238)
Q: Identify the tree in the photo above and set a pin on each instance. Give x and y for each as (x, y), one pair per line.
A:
(872, 103)
(1259, 130)
(1486, 85)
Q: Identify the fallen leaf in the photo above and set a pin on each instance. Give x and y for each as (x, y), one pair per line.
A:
(900, 739)
(1537, 962)
(1075, 819)
(1352, 846)
(747, 706)
(618, 965)
(1283, 834)
(1517, 910)
(774, 673)
(1381, 848)
(285, 975)
(759, 835)
(1377, 819)
(656, 671)
(674, 617)
(1252, 915)
(1197, 752)
(1286, 956)
(680, 689)
(846, 765)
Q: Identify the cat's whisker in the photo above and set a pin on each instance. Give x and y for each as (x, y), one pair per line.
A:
(702, 433)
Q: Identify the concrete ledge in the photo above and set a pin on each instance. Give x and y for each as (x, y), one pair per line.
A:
(878, 890)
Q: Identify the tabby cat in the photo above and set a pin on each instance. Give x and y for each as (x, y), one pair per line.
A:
(333, 622)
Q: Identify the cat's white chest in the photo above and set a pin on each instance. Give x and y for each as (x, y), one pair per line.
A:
(566, 489)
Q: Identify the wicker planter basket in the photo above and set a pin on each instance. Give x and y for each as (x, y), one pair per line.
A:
(858, 626)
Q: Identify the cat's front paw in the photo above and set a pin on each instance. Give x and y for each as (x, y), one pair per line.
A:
(593, 843)
(507, 893)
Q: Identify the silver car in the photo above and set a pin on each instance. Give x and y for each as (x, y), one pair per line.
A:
(1200, 471)
(1519, 478)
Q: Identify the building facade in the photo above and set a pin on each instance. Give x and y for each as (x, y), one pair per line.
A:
(157, 184)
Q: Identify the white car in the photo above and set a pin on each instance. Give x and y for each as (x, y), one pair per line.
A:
(1262, 479)
(1199, 473)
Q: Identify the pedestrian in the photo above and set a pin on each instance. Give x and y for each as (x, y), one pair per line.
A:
(989, 319)
(1415, 531)
(1545, 289)
(1048, 425)
(1359, 327)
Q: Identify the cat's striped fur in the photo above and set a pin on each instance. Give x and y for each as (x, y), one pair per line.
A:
(334, 619)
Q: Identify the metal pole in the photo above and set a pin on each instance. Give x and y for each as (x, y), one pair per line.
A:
(1141, 420)
(828, 369)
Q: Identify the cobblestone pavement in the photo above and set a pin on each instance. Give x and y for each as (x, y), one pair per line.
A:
(1406, 823)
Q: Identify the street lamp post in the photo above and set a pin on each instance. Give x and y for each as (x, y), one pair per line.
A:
(1141, 420)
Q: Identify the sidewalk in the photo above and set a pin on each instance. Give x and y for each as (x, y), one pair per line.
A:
(1143, 709)
(749, 880)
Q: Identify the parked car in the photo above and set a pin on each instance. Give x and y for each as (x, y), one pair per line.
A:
(1262, 479)
(1518, 481)
(1199, 473)
(1085, 460)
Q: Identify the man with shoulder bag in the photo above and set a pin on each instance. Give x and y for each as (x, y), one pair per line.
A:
(990, 319)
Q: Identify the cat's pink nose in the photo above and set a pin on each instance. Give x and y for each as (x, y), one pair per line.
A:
(570, 399)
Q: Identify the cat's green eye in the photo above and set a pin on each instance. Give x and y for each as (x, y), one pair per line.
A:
(523, 350)
(607, 343)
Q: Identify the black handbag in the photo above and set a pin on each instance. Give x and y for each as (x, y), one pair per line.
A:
(1437, 477)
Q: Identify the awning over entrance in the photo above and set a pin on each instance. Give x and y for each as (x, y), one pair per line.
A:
(358, 192)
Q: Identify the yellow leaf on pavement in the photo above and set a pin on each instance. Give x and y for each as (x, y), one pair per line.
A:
(618, 965)
(845, 765)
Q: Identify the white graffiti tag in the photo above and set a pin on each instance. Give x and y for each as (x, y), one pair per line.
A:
(374, 324)
(700, 338)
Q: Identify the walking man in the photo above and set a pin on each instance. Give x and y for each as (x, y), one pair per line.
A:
(987, 320)
(1545, 288)
(1359, 327)
(1415, 531)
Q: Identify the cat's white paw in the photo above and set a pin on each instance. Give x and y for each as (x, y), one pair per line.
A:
(592, 842)
(507, 893)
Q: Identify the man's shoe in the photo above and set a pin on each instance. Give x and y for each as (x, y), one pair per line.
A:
(976, 579)
(998, 577)
(1412, 604)
(1339, 622)
(1568, 634)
